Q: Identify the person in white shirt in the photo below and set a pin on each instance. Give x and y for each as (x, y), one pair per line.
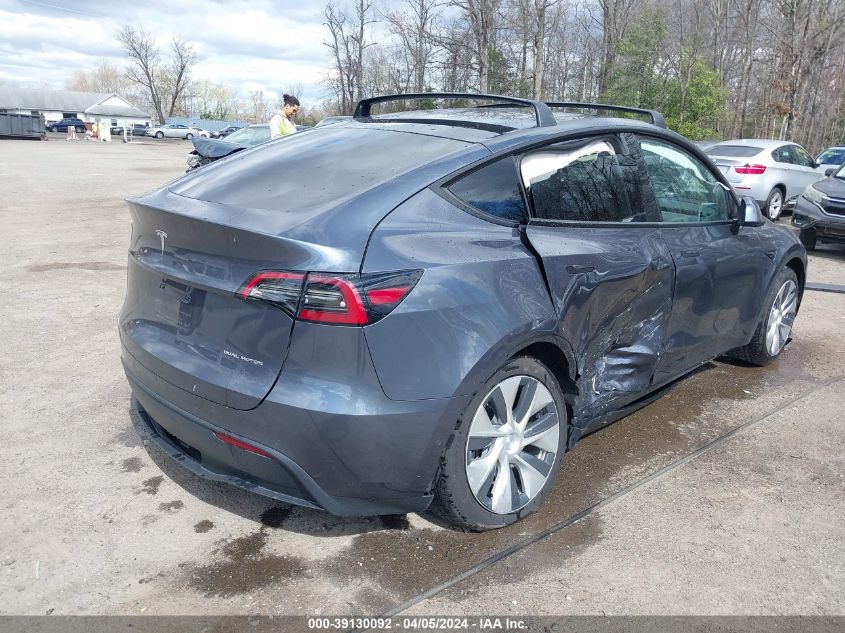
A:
(280, 122)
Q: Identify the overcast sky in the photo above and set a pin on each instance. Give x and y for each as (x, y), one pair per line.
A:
(247, 45)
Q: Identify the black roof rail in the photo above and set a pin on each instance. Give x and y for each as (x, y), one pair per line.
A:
(656, 117)
(542, 113)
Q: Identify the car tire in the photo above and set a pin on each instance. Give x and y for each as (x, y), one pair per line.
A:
(188, 136)
(774, 204)
(80, 129)
(808, 238)
(54, 129)
(760, 350)
(469, 488)
(159, 134)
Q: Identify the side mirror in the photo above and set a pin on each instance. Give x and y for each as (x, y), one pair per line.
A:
(829, 172)
(749, 213)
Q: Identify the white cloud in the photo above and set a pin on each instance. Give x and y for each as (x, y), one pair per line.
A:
(260, 44)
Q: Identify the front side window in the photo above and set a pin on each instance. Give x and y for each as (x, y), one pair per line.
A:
(494, 190)
(686, 190)
(800, 156)
(587, 180)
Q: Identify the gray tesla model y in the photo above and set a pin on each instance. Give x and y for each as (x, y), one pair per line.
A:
(435, 305)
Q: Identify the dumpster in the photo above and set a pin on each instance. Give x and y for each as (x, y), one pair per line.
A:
(22, 126)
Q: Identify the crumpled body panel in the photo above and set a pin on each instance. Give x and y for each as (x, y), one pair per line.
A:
(615, 305)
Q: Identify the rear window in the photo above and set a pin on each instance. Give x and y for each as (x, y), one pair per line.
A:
(734, 151)
(308, 169)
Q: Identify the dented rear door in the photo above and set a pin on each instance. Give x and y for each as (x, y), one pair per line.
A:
(612, 288)
(609, 271)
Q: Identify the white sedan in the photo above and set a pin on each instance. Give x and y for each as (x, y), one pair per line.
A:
(177, 130)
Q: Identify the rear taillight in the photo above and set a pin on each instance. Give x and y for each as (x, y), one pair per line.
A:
(750, 170)
(334, 299)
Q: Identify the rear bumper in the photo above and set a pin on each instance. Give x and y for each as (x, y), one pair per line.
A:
(343, 446)
(190, 441)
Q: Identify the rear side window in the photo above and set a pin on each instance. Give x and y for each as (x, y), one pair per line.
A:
(494, 190)
(588, 180)
(782, 154)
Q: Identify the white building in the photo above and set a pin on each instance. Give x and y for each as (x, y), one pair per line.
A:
(105, 108)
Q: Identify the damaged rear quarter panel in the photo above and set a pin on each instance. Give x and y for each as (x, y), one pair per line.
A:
(612, 289)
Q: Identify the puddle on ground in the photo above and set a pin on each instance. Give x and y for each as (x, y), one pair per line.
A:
(151, 485)
(95, 266)
(275, 516)
(244, 568)
(132, 464)
(171, 507)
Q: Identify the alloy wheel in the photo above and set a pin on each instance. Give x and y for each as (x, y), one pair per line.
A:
(512, 444)
(781, 317)
(775, 205)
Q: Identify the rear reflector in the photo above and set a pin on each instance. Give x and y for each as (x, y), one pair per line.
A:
(751, 170)
(334, 299)
(249, 448)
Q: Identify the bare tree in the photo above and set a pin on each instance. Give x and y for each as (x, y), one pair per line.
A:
(616, 15)
(417, 27)
(480, 16)
(144, 55)
(178, 73)
(164, 83)
(347, 44)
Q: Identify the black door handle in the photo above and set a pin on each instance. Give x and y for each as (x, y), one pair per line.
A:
(574, 270)
(690, 253)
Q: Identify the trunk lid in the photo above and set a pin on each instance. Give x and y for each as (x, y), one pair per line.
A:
(725, 166)
(183, 319)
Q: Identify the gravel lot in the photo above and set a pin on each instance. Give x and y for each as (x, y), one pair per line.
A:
(97, 521)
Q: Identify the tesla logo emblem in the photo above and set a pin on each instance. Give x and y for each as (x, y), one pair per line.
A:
(163, 236)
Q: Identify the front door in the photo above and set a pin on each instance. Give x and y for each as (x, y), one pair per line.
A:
(720, 266)
(610, 275)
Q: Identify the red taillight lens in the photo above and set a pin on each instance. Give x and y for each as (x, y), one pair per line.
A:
(334, 299)
(280, 288)
(750, 170)
(249, 448)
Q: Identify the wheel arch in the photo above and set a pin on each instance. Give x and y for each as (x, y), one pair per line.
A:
(799, 267)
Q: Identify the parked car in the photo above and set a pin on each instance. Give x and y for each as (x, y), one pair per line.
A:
(331, 120)
(774, 173)
(820, 212)
(831, 157)
(176, 130)
(434, 306)
(64, 124)
(226, 131)
(209, 150)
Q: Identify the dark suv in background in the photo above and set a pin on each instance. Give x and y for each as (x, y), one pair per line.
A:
(434, 306)
(64, 124)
